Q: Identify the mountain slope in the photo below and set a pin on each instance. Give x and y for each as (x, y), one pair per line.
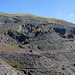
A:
(34, 40)
(21, 26)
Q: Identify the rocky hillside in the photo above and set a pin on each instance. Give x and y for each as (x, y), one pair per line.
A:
(15, 28)
(6, 69)
(40, 45)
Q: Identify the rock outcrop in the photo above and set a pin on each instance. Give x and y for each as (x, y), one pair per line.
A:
(48, 44)
(28, 60)
(6, 69)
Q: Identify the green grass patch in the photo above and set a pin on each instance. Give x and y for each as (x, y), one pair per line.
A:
(21, 46)
(40, 47)
(16, 65)
(27, 41)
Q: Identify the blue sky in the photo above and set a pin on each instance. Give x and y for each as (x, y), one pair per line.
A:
(60, 9)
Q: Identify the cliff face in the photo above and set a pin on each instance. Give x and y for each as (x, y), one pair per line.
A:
(49, 33)
(50, 42)
(15, 29)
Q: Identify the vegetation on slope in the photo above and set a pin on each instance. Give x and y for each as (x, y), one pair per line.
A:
(47, 19)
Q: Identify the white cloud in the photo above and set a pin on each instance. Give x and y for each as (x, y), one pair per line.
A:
(72, 15)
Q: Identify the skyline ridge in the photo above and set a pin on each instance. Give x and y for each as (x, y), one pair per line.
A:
(22, 14)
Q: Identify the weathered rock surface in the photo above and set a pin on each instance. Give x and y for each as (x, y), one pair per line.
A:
(40, 31)
(28, 60)
(6, 69)
(56, 39)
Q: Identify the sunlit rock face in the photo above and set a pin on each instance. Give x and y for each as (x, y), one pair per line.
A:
(49, 44)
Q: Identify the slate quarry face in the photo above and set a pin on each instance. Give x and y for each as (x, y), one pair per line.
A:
(51, 41)
(40, 31)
